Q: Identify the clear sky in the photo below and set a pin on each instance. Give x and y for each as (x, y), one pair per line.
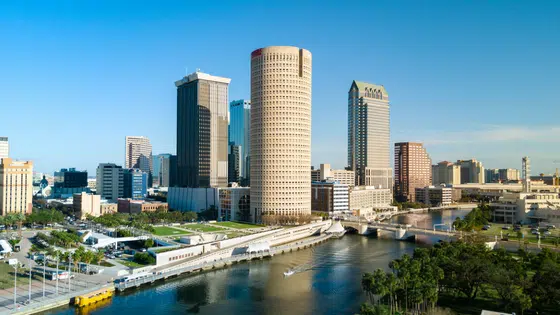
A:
(468, 78)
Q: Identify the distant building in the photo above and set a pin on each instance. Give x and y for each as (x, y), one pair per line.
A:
(16, 186)
(108, 207)
(110, 181)
(87, 204)
(92, 183)
(413, 169)
(472, 171)
(235, 205)
(68, 182)
(324, 172)
(503, 175)
(329, 197)
(4, 148)
(135, 184)
(168, 171)
(147, 206)
(526, 207)
(138, 154)
(239, 135)
(157, 161)
(234, 159)
(369, 134)
(491, 175)
(202, 131)
(446, 173)
(436, 196)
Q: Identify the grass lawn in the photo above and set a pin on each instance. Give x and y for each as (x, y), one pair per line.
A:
(166, 231)
(202, 228)
(130, 263)
(7, 276)
(234, 234)
(496, 229)
(237, 225)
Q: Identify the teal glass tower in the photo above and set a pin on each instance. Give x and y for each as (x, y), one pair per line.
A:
(239, 135)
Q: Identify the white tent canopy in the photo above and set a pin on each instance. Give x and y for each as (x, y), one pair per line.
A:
(6, 248)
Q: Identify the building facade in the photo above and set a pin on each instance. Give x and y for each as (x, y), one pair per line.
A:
(235, 205)
(135, 184)
(413, 169)
(110, 181)
(202, 131)
(16, 186)
(4, 148)
(370, 198)
(446, 173)
(156, 167)
(330, 197)
(325, 172)
(281, 131)
(86, 204)
(369, 134)
(239, 135)
(68, 182)
(168, 171)
(138, 154)
(436, 196)
(472, 171)
(234, 167)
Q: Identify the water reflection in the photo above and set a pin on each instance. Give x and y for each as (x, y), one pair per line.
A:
(327, 281)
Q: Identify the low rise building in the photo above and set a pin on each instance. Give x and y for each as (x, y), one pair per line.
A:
(527, 207)
(147, 206)
(86, 204)
(325, 172)
(235, 205)
(193, 199)
(108, 207)
(330, 197)
(436, 196)
(446, 173)
(367, 201)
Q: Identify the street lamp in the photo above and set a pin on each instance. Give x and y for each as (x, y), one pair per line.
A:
(14, 263)
(30, 262)
(57, 273)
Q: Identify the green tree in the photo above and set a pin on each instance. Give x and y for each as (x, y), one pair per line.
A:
(149, 243)
(144, 258)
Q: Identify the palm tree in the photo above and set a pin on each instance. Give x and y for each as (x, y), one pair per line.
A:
(76, 257)
(87, 257)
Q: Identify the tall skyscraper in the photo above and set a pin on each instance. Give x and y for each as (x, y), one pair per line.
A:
(110, 181)
(281, 131)
(234, 158)
(446, 173)
(138, 154)
(16, 186)
(202, 130)
(368, 135)
(239, 135)
(413, 169)
(4, 148)
(168, 171)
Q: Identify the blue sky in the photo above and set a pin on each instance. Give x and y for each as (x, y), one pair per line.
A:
(468, 78)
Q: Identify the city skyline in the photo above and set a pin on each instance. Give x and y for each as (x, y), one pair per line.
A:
(475, 73)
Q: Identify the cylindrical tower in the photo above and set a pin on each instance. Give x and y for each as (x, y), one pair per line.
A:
(281, 131)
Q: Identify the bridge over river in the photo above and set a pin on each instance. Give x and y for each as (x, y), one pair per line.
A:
(401, 231)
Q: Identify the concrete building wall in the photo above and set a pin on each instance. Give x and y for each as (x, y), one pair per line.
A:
(87, 204)
(235, 202)
(110, 181)
(16, 186)
(446, 173)
(281, 131)
(435, 196)
(472, 171)
(364, 197)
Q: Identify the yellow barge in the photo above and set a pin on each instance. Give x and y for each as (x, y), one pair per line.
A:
(94, 297)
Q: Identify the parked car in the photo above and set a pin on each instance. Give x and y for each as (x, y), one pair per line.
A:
(551, 226)
(486, 227)
(505, 227)
(547, 233)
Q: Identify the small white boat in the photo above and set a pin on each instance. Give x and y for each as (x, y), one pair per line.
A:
(289, 273)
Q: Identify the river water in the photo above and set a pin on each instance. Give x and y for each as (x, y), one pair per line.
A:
(327, 280)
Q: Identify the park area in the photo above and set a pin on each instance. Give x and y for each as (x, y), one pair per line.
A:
(237, 225)
(526, 235)
(205, 228)
(167, 231)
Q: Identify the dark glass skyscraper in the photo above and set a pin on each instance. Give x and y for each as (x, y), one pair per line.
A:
(202, 131)
(239, 135)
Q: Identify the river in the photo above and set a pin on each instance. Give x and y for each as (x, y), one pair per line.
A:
(327, 280)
